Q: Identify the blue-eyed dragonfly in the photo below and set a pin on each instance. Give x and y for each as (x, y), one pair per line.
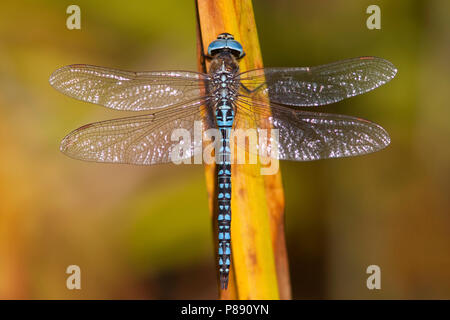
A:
(224, 99)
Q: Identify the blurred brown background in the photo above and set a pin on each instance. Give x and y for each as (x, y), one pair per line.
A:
(144, 232)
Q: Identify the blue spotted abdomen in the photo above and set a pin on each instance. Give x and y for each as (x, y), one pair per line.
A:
(224, 118)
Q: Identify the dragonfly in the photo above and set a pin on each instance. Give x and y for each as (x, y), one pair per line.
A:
(223, 99)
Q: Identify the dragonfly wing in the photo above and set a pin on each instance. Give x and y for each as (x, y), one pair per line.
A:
(306, 136)
(126, 90)
(320, 85)
(143, 140)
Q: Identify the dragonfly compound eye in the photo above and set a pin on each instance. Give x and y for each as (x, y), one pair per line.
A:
(226, 42)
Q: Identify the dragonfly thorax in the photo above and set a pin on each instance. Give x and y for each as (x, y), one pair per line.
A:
(224, 85)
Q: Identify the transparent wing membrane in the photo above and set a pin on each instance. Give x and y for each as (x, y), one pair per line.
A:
(143, 140)
(126, 90)
(302, 136)
(320, 85)
(306, 136)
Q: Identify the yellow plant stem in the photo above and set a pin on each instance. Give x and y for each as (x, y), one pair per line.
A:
(259, 259)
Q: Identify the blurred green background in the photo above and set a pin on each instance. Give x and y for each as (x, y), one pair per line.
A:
(145, 232)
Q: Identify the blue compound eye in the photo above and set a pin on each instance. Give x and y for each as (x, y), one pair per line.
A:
(235, 48)
(216, 46)
(225, 41)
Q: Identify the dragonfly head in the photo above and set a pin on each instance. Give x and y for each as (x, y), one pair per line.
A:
(226, 42)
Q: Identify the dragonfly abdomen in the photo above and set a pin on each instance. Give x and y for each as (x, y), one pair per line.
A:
(224, 119)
